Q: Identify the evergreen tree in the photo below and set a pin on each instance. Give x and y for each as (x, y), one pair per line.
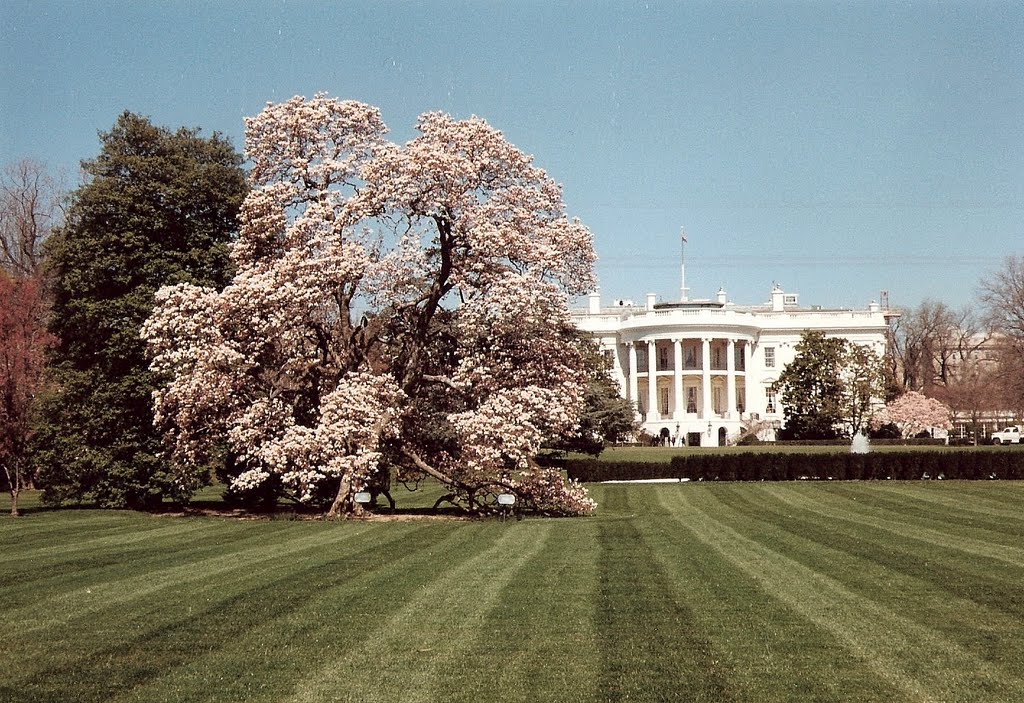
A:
(811, 388)
(831, 384)
(158, 208)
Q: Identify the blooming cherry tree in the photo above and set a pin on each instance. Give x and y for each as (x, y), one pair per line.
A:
(394, 307)
(913, 412)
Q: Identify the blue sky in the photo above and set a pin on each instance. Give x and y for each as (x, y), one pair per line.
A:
(837, 148)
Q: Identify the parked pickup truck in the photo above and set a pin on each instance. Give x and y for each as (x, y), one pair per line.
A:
(1008, 435)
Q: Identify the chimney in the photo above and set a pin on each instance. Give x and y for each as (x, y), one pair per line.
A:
(721, 296)
(777, 299)
(651, 299)
(595, 303)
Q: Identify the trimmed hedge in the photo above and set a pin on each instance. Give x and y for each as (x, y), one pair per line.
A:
(911, 442)
(949, 464)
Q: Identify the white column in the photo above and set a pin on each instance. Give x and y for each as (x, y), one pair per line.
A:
(620, 374)
(748, 380)
(705, 367)
(730, 380)
(677, 379)
(634, 388)
(652, 381)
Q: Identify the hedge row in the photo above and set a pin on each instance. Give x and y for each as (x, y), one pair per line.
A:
(911, 442)
(951, 464)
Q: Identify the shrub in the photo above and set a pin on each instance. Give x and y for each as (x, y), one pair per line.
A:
(898, 465)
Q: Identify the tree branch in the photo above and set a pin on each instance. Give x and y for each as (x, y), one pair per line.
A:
(443, 380)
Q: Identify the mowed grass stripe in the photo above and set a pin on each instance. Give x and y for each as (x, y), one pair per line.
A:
(979, 573)
(424, 640)
(117, 591)
(975, 603)
(308, 623)
(40, 528)
(160, 635)
(145, 549)
(965, 515)
(919, 661)
(877, 498)
(770, 652)
(652, 646)
(1000, 501)
(83, 541)
(990, 548)
(539, 641)
(883, 513)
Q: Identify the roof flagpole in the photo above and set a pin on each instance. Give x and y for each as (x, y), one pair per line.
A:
(683, 290)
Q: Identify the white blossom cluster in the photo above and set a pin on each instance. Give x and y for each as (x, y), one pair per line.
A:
(359, 262)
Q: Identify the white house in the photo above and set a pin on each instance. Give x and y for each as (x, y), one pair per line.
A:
(698, 370)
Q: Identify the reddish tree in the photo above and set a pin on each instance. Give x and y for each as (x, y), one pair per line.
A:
(23, 344)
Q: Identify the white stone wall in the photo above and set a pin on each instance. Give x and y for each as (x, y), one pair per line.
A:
(726, 393)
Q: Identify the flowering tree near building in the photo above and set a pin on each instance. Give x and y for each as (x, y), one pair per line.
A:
(913, 413)
(394, 306)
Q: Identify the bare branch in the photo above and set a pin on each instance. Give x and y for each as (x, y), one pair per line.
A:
(30, 208)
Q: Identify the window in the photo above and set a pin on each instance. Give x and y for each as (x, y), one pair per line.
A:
(769, 357)
(691, 400)
(741, 363)
(691, 357)
(641, 359)
(663, 397)
(770, 393)
(663, 359)
(741, 406)
(609, 359)
(719, 404)
(716, 358)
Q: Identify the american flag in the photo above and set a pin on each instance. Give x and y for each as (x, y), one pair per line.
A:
(682, 234)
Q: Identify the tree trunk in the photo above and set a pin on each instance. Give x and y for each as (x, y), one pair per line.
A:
(343, 501)
(14, 484)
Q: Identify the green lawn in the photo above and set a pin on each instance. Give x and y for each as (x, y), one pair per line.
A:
(693, 592)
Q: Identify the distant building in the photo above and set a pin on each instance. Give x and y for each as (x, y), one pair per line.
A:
(699, 370)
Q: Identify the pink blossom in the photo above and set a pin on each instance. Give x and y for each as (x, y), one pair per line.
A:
(913, 413)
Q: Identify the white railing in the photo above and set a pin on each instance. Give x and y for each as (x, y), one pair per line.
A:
(605, 316)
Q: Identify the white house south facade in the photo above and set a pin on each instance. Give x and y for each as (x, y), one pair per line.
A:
(699, 370)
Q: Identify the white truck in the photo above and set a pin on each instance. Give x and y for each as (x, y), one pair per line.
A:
(1008, 435)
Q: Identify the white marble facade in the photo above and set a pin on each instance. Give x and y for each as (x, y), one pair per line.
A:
(698, 369)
